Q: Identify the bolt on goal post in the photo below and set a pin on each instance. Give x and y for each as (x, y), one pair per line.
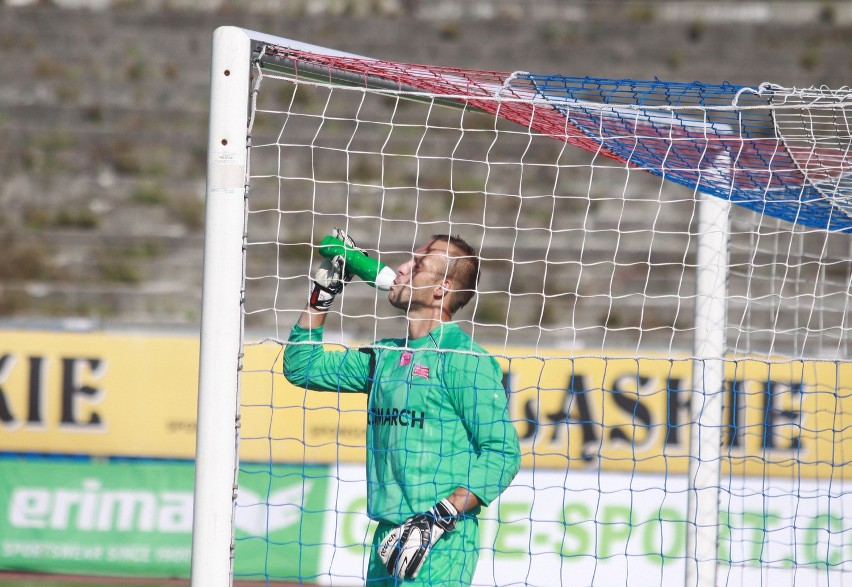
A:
(666, 275)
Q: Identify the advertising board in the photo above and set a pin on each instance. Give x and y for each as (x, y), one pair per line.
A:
(134, 518)
(135, 396)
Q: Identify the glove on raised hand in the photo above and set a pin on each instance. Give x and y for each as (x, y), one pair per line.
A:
(404, 550)
(330, 277)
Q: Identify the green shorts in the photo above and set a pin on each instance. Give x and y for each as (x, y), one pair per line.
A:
(451, 561)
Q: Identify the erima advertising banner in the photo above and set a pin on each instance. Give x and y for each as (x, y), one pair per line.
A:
(308, 524)
(122, 395)
(132, 518)
(73, 516)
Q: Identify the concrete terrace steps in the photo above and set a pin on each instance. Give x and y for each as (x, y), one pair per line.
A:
(106, 104)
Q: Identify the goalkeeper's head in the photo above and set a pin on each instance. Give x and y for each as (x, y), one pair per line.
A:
(441, 275)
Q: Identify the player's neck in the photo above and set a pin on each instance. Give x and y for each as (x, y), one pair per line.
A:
(422, 323)
(418, 328)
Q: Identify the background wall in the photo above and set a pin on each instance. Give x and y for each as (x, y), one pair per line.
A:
(103, 113)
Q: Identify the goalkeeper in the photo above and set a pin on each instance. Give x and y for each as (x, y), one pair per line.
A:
(440, 444)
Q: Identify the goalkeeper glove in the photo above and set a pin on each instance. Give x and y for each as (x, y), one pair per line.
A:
(404, 550)
(330, 277)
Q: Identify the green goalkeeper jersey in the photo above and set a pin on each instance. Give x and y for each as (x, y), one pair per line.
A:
(437, 416)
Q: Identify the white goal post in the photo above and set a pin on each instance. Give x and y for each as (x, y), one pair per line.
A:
(221, 319)
(666, 274)
(221, 316)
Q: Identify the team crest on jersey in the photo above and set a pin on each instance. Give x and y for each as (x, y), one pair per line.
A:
(405, 359)
(420, 371)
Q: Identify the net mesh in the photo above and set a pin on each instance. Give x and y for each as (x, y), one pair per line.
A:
(581, 196)
(716, 138)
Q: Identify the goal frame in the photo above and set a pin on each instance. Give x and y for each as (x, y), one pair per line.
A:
(220, 360)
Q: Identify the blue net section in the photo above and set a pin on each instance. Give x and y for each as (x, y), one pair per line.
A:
(718, 139)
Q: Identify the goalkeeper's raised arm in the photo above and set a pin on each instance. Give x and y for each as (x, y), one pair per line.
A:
(440, 443)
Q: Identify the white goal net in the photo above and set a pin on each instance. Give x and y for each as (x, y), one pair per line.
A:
(665, 283)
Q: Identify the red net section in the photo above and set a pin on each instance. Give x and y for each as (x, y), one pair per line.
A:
(499, 93)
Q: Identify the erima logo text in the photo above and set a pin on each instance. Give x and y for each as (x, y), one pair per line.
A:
(92, 508)
(95, 509)
(395, 417)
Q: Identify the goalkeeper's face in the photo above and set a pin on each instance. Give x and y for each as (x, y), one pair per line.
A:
(422, 282)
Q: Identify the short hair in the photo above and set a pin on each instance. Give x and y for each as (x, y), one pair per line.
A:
(462, 268)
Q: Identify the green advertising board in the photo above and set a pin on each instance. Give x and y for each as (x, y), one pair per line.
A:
(307, 524)
(134, 518)
(281, 515)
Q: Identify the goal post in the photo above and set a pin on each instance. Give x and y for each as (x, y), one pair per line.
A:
(708, 378)
(665, 285)
(221, 317)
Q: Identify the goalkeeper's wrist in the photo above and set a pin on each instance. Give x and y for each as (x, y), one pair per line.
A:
(464, 500)
(311, 321)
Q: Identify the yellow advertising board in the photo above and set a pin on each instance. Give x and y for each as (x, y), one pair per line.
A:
(782, 419)
(98, 394)
(789, 419)
(135, 395)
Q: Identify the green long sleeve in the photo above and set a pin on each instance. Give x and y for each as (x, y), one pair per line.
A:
(313, 367)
